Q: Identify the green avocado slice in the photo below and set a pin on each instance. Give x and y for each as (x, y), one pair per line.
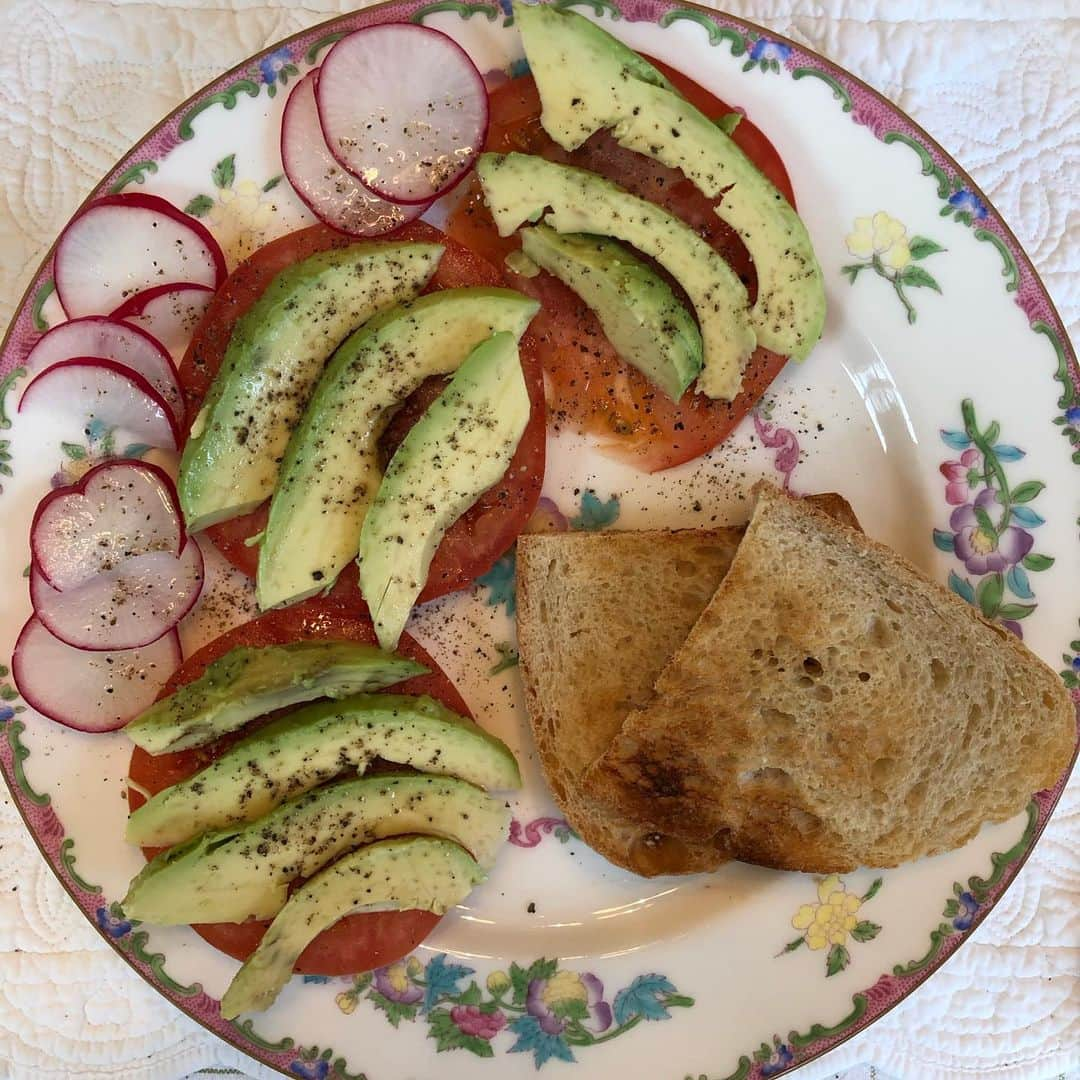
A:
(646, 323)
(274, 358)
(234, 874)
(460, 447)
(331, 471)
(250, 681)
(589, 81)
(518, 188)
(417, 873)
(306, 748)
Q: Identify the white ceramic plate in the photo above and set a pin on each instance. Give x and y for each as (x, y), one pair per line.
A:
(944, 377)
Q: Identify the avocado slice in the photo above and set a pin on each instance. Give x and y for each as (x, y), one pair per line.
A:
(244, 872)
(251, 681)
(274, 358)
(449, 458)
(589, 81)
(644, 320)
(331, 471)
(518, 187)
(306, 748)
(395, 875)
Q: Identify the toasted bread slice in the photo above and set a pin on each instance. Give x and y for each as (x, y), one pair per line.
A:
(599, 615)
(833, 708)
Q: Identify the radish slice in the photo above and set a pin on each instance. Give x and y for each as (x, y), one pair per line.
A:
(90, 691)
(169, 312)
(117, 511)
(403, 108)
(124, 608)
(108, 339)
(107, 391)
(124, 244)
(330, 193)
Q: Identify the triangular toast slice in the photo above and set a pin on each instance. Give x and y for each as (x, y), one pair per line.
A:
(834, 708)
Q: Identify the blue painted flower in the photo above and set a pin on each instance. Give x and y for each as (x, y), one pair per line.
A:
(968, 907)
(764, 49)
(507, 7)
(779, 1060)
(6, 713)
(272, 64)
(1072, 415)
(1076, 663)
(115, 928)
(968, 202)
(310, 1070)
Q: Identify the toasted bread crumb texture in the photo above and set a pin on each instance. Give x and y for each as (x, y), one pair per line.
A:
(833, 708)
(599, 614)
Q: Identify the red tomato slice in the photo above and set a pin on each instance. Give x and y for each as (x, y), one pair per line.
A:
(589, 388)
(483, 532)
(358, 942)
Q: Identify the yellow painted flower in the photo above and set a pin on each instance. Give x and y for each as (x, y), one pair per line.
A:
(414, 968)
(346, 1001)
(240, 217)
(498, 982)
(883, 236)
(397, 975)
(563, 987)
(829, 921)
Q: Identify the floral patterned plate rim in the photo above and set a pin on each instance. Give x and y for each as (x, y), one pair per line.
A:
(966, 466)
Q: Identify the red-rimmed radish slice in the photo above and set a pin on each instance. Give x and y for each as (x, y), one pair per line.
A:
(125, 244)
(107, 391)
(117, 511)
(403, 108)
(105, 338)
(125, 608)
(330, 192)
(90, 691)
(169, 313)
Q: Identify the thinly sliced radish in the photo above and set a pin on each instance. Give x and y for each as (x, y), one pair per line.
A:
(107, 391)
(105, 338)
(124, 244)
(90, 691)
(403, 108)
(117, 511)
(124, 608)
(168, 312)
(332, 194)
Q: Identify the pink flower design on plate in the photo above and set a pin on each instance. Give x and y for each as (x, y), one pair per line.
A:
(961, 475)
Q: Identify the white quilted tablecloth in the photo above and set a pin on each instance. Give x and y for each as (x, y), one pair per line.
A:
(996, 81)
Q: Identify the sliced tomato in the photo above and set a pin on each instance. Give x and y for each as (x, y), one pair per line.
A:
(491, 525)
(358, 942)
(589, 388)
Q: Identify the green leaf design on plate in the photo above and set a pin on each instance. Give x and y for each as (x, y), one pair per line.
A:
(1036, 562)
(922, 246)
(200, 206)
(224, 172)
(1027, 491)
(989, 593)
(918, 278)
(837, 960)
(865, 931)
